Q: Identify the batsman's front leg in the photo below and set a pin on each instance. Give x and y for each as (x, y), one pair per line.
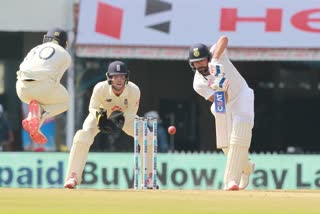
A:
(237, 154)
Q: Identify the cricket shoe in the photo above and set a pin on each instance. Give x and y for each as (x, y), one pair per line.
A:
(38, 137)
(34, 123)
(231, 186)
(71, 182)
(25, 124)
(246, 175)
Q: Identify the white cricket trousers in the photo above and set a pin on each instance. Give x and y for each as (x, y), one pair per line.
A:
(52, 96)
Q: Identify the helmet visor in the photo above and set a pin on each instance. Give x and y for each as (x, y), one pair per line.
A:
(197, 59)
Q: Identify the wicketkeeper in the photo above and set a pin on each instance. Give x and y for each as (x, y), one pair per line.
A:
(113, 106)
(214, 72)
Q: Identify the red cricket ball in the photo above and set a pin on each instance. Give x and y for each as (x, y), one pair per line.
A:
(172, 130)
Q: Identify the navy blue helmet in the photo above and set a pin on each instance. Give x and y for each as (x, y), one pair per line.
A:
(199, 52)
(117, 68)
(58, 35)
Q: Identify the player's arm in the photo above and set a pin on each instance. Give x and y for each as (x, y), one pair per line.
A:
(67, 61)
(105, 124)
(31, 53)
(203, 89)
(131, 111)
(95, 100)
(220, 47)
(220, 82)
(134, 102)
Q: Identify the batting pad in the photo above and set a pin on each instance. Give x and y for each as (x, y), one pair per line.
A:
(78, 154)
(247, 167)
(238, 151)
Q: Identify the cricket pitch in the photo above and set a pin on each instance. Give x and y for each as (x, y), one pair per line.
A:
(89, 201)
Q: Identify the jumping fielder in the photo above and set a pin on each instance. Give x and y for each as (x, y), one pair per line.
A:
(39, 85)
(214, 72)
(113, 107)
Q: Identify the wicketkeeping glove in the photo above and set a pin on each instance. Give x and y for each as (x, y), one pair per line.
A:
(103, 123)
(117, 118)
(110, 125)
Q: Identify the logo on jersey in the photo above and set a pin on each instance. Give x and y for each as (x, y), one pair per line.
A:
(108, 100)
(219, 100)
(196, 52)
(116, 108)
(126, 102)
(46, 52)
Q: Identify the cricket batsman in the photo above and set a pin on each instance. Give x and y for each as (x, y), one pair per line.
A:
(38, 82)
(113, 107)
(215, 74)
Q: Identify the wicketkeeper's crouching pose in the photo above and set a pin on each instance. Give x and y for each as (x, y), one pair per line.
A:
(113, 106)
(215, 73)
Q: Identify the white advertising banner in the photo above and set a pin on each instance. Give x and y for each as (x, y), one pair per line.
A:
(35, 15)
(179, 53)
(179, 23)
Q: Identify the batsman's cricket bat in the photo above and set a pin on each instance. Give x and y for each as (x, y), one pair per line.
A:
(221, 119)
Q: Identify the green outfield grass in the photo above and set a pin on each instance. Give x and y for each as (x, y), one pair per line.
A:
(88, 201)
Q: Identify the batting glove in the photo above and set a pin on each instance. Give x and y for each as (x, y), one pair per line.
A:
(216, 69)
(219, 83)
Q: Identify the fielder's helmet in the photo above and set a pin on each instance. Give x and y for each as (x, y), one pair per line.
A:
(117, 68)
(198, 52)
(56, 35)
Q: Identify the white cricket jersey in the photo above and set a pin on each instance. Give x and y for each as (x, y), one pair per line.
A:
(237, 82)
(45, 61)
(127, 102)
